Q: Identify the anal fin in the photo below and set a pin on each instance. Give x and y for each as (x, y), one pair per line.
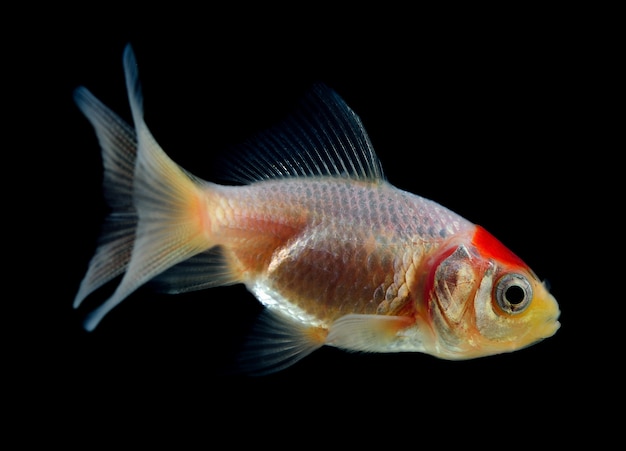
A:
(207, 269)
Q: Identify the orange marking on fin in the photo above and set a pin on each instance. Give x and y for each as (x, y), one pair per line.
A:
(317, 334)
(199, 210)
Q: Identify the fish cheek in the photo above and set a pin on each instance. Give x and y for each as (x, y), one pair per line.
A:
(492, 324)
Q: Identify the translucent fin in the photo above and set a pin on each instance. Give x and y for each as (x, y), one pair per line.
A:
(206, 270)
(276, 343)
(369, 333)
(119, 147)
(322, 137)
(169, 205)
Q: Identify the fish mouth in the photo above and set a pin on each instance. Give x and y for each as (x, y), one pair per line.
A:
(552, 313)
(551, 326)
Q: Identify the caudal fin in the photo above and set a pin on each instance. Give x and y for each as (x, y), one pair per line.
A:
(158, 216)
(119, 148)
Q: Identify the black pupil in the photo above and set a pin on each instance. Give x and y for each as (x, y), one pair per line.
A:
(515, 294)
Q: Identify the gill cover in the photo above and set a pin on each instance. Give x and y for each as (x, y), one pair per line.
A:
(455, 282)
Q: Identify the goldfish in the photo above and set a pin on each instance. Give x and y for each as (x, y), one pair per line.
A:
(336, 254)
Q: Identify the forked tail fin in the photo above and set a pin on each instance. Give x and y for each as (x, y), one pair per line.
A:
(119, 150)
(158, 212)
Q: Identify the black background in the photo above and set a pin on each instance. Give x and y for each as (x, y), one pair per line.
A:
(488, 117)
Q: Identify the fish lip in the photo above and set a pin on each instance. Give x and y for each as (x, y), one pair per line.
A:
(552, 326)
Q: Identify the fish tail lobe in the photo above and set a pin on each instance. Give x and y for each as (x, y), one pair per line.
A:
(158, 215)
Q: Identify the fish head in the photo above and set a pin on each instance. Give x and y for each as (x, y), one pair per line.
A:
(484, 300)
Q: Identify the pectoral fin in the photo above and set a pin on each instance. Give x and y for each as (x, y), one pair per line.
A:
(369, 333)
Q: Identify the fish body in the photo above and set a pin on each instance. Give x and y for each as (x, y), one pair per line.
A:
(336, 254)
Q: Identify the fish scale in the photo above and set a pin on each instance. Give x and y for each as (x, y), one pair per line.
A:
(327, 276)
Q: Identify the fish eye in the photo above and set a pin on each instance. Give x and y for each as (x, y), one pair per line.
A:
(513, 293)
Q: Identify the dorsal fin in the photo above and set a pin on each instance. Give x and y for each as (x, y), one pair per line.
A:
(321, 137)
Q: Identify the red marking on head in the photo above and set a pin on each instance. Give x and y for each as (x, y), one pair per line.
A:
(490, 247)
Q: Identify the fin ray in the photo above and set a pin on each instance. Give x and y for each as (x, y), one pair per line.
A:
(367, 333)
(322, 137)
(119, 146)
(205, 270)
(167, 202)
(277, 342)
